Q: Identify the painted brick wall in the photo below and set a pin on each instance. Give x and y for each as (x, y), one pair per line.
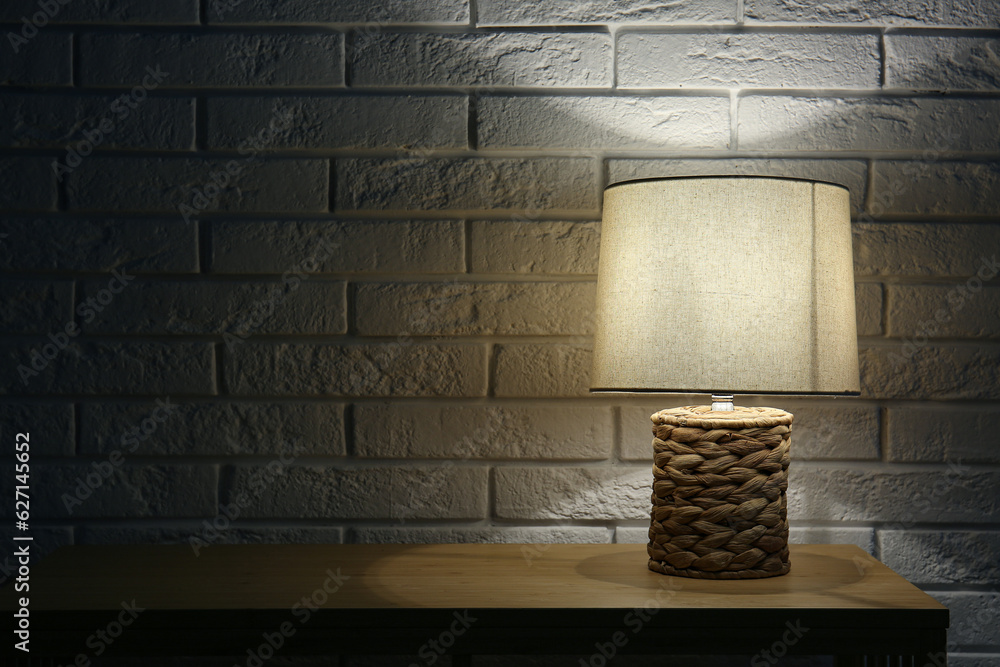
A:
(355, 242)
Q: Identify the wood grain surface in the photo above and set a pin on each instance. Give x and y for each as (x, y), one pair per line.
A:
(446, 576)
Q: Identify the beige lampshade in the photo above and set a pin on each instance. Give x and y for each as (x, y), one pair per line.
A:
(726, 284)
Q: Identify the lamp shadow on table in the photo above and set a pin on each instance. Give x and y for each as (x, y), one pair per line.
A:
(624, 569)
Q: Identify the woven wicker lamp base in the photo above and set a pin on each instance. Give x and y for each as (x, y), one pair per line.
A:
(719, 480)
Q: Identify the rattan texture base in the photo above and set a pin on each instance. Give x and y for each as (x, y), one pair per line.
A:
(719, 481)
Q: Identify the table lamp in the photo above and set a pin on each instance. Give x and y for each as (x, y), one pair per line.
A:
(721, 285)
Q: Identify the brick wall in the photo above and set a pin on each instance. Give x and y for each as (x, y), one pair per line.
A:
(362, 237)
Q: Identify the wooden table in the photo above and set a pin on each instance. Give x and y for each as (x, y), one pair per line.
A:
(580, 599)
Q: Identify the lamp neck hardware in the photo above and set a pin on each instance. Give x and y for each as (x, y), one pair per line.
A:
(722, 402)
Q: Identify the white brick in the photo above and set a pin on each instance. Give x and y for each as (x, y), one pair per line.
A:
(118, 12)
(136, 368)
(166, 490)
(925, 249)
(931, 62)
(134, 246)
(819, 492)
(827, 433)
(241, 309)
(570, 12)
(61, 121)
(669, 123)
(45, 60)
(452, 308)
(868, 124)
(975, 616)
(475, 432)
(531, 184)
(503, 59)
(338, 246)
(396, 369)
(632, 535)
(875, 12)
(939, 372)
(748, 60)
(852, 174)
(573, 493)
(538, 247)
(491, 535)
(337, 11)
(945, 311)
(342, 121)
(938, 189)
(439, 492)
(157, 184)
(229, 60)
(637, 430)
(50, 426)
(863, 537)
(935, 557)
(973, 659)
(35, 306)
(219, 429)
(29, 184)
(534, 370)
(869, 308)
(943, 433)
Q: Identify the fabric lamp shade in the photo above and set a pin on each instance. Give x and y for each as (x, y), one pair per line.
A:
(728, 284)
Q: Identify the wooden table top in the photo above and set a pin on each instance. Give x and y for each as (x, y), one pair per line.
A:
(510, 598)
(446, 576)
